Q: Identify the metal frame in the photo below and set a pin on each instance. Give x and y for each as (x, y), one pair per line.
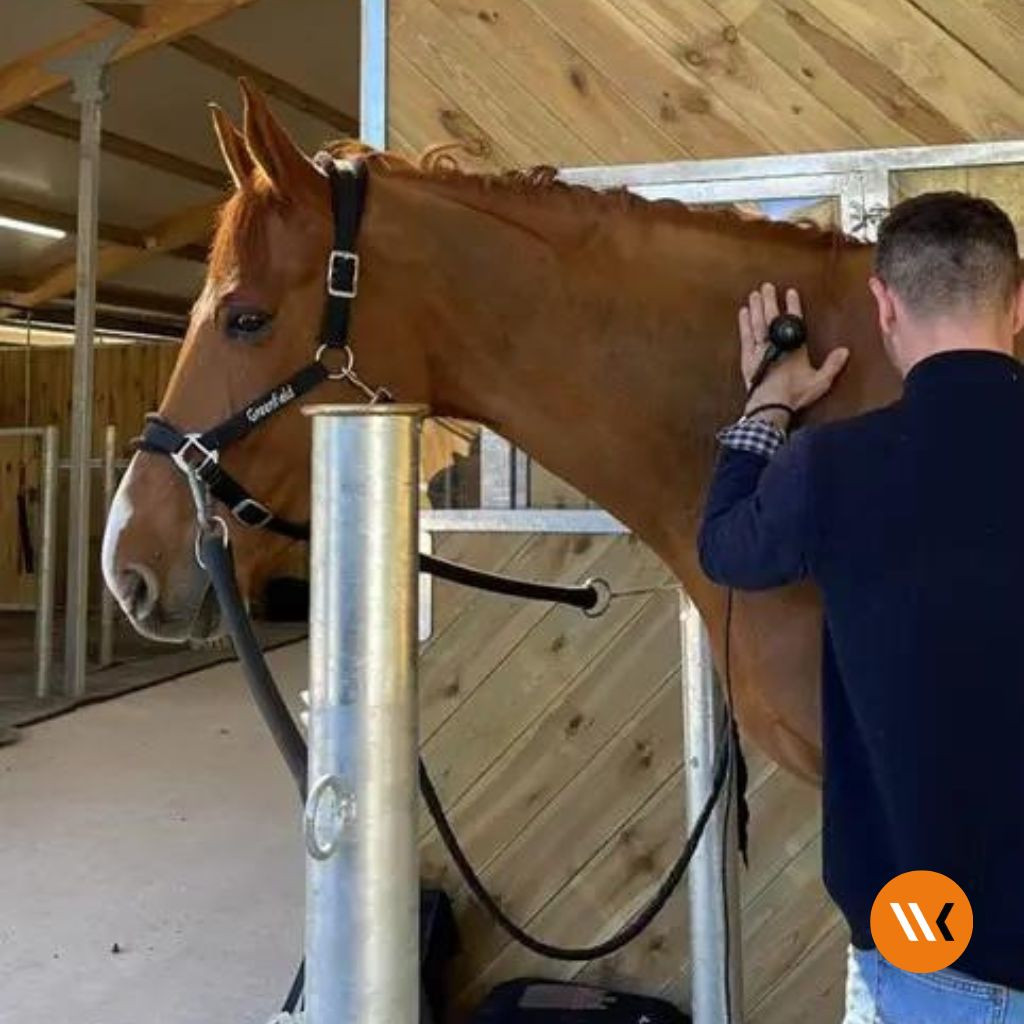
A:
(849, 161)
(712, 878)
(44, 606)
(373, 73)
(108, 606)
(88, 71)
(362, 865)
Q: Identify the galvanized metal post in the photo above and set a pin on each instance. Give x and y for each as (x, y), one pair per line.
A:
(47, 563)
(89, 79)
(106, 655)
(362, 895)
(373, 74)
(716, 976)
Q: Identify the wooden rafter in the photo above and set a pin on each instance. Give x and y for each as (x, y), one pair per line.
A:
(221, 59)
(229, 63)
(52, 123)
(108, 296)
(116, 233)
(182, 229)
(68, 222)
(29, 78)
(142, 300)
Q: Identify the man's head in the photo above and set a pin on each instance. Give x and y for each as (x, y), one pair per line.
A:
(947, 276)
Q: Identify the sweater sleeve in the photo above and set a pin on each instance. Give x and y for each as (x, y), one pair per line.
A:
(755, 530)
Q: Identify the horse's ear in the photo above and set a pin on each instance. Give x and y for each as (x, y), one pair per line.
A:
(232, 147)
(287, 168)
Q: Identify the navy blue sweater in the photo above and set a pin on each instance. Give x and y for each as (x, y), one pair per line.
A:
(911, 521)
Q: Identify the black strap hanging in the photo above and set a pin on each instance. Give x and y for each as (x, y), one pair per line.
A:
(348, 198)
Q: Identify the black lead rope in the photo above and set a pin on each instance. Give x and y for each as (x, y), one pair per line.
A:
(591, 597)
(219, 563)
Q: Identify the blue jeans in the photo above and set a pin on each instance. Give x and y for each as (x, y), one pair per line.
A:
(878, 993)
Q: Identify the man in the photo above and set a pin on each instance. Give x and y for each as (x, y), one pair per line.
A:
(911, 521)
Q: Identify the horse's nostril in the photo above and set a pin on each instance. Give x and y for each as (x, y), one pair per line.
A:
(138, 591)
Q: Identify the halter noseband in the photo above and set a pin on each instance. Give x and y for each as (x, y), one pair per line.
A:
(197, 454)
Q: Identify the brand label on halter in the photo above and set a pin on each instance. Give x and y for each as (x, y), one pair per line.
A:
(282, 396)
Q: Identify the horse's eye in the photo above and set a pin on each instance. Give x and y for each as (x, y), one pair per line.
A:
(246, 324)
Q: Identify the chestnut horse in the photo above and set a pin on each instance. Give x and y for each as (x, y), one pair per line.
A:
(593, 329)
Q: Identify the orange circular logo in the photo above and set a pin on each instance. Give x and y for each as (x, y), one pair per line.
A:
(921, 921)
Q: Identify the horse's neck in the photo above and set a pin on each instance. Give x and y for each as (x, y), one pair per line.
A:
(601, 341)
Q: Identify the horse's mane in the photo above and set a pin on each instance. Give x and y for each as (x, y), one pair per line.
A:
(441, 163)
(241, 222)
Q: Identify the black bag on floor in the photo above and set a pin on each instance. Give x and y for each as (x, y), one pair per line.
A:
(439, 942)
(534, 1001)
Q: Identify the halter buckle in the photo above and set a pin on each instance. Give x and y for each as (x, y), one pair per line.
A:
(193, 456)
(250, 512)
(343, 274)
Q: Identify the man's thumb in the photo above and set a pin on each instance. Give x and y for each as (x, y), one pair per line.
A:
(834, 363)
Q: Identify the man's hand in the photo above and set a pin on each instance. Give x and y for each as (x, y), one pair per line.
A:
(792, 380)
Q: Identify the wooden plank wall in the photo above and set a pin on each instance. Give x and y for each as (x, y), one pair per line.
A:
(35, 387)
(577, 82)
(556, 740)
(35, 390)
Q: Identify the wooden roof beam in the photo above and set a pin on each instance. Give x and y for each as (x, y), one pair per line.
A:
(31, 77)
(182, 229)
(108, 296)
(68, 222)
(52, 123)
(229, 63)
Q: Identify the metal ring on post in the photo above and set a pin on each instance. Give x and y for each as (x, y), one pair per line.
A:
(603, 590)
(344, 812)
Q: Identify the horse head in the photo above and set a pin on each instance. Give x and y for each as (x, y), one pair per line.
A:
(255, 323)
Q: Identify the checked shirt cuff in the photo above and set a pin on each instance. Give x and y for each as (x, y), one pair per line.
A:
(753, 436)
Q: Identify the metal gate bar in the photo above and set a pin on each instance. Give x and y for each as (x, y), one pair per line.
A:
(716, 970)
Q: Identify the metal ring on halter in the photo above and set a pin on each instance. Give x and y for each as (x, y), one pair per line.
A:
(203, 528)
(344, 811)
(604, 596)
(345, 373)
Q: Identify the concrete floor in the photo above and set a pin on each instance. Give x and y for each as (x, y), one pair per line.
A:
(162, 821)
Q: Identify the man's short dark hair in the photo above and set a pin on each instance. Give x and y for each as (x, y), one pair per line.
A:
(944, 252)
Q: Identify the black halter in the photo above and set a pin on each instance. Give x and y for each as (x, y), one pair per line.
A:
(197, 455)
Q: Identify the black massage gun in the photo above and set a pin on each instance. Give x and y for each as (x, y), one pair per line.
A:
(786, 333)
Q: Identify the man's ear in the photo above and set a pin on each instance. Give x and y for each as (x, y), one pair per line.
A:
(884, 301)
(1018, 309)
(287, 168)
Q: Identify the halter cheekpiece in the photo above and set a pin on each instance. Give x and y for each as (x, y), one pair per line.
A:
(197, 454)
